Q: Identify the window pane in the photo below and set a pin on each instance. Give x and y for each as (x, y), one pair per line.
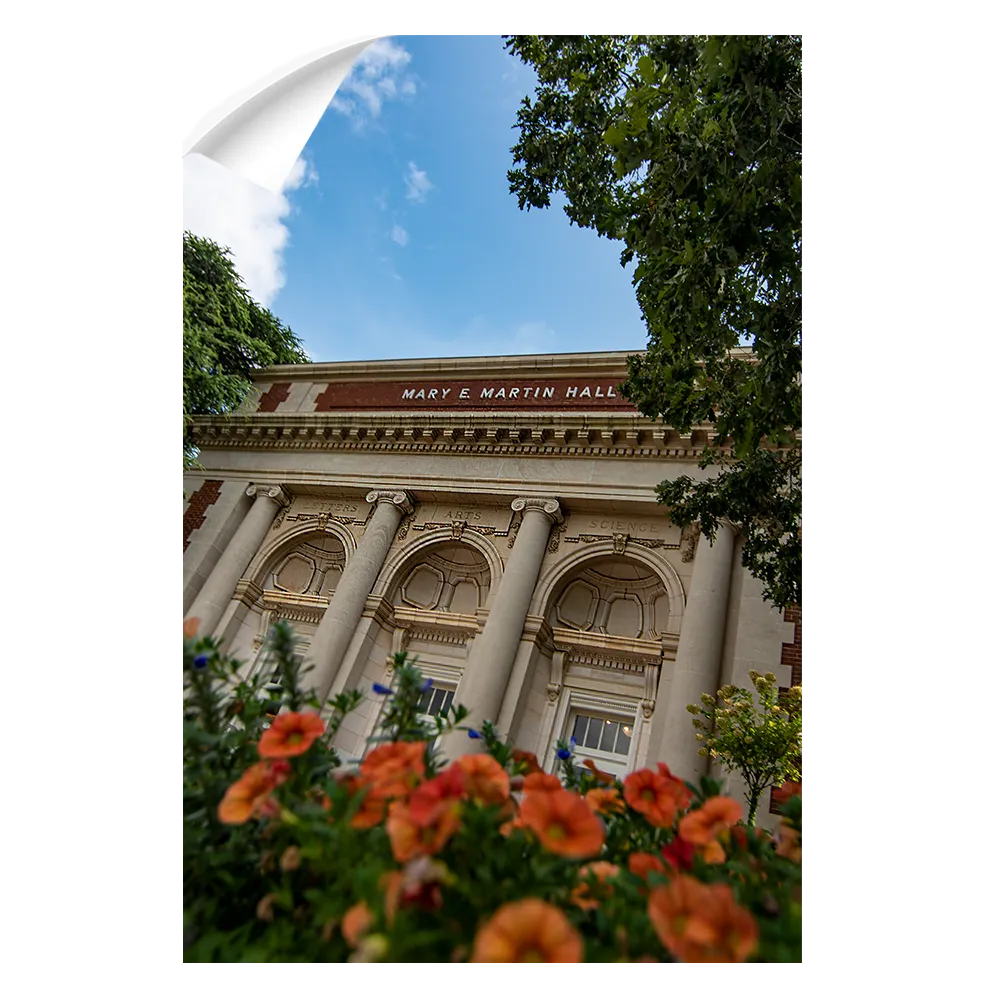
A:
(437, 700)
(580, 728)
(608, 734)
(594, 733)
(448, 699)
(624, 739)
(425, 700)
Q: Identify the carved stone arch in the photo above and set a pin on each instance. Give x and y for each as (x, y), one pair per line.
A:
(399, 562)
(275, 548)
(560, 573)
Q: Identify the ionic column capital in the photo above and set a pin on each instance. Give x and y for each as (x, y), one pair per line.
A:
(271, 491)
(398, 498)
(549, 506)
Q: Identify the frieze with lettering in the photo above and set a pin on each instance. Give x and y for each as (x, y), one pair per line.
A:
(475, 394)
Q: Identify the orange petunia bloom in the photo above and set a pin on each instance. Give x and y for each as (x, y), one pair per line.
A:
(528, 759)
(780, 795)
(563, 823)
(713, 853)
(701, 923)
(539, 781)
(249, 795)
(373, 806)
(582, 892)
(485, 780)
(705, 824)
(409, 839)
(529, 930)
(395, 769)
(602, 776)
(681, 789)
(656, 797)
(642, 864)
(291, 734)
(191, 626)
(357, 920)
(429, 800)
(605, 801)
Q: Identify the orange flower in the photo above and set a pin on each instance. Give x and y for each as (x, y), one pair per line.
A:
(780, 795)
(701, 923)
(357, 920)
(372, 809)
(705, 824)
(658, 798)
(191, 626)
(581, 894)
(605, 801)
(527, 931)
(563, 823)
(291, 734)
(485, 780)
(408, 838)
(642, 864)
(713, 853)
(789, 843)
(528, 759)
(433, 797)
(602, 776)
(395, 769)
(539, 781)
(248, 796)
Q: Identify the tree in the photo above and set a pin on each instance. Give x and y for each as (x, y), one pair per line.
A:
(227, 335)
(687, 149)
(761, 741)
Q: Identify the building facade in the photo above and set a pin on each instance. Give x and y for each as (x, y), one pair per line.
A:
(497, 518)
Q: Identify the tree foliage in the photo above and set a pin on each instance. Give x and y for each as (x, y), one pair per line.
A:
(759, 739)
(688, 150)
(227, 335)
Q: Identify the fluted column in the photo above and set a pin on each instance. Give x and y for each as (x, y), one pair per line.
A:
(217, 591)
(341, 617)
(699, 656)
(488, 670)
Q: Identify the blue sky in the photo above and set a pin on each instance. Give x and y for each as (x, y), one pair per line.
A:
(397, 235)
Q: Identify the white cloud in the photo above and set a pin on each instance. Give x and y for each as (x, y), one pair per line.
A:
(222, 206)
(399, 235)
(378, 75)
(417, 183)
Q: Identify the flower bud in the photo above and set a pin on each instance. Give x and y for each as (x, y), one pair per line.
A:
(265, 908)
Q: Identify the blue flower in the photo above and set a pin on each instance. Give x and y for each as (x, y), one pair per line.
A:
(572, 741)
(564, 754)
(200, 662)
(426, 686)
(473, 735)
(381, 689)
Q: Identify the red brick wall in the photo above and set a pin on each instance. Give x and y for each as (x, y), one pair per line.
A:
(200, 501)
(278, 393)
(791, 656)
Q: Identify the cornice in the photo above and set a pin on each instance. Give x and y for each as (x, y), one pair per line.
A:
(610, 434)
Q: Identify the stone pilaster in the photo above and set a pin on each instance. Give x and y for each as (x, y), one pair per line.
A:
(486, 675)
(699, 653)
(218, 589)
(341, 618)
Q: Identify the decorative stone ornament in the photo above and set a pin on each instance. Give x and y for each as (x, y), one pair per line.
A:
(398, 498)
(547, 505)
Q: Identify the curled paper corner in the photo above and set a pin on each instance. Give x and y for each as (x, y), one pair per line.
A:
(260, 131)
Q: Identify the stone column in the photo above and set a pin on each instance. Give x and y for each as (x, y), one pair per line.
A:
(341, 617)
(217, 591)
(484, 680)
(698, 664)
